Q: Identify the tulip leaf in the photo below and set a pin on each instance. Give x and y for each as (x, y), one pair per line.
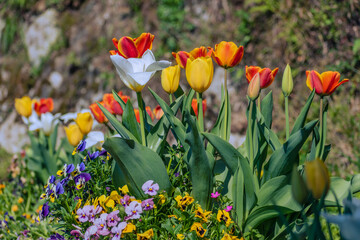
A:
(300, 120)
(138, 164)
(187, 102)
(283, 159)
(269, 136)
(124, 133)
(200, 166)
(341, 189)
(177, 126)
(355, 183)
(119, 99)
(129, 120)
(267, 109)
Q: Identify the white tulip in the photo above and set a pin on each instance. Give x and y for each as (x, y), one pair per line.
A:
(47, 123)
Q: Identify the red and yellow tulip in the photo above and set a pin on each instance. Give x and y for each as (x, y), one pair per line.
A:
(324, 83)
(128, 47)
(44, 105)
(194, 106)
(158, 112)
(182, 56)
(97, 113)
(266, 75)
(227, 54)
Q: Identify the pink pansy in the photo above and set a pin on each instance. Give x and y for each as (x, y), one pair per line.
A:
(90, 231)
(118, 230)
(150, 188)
(147, 204)
(83, 215)
(134, 210)
(113, 218)
(100, 223)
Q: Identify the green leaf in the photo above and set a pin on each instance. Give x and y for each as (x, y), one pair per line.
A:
(199, 165)
(267, 109)
(341, 188)
(138, 164)
(124, 133)
(283, 159)
(129, 120)
(119, 99)
(355, 183)
(300, 121)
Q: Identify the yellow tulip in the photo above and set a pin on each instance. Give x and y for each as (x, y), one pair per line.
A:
(170, 78)
(317, 177)
(73, 134)
(199, 73)
(85, 122)
(23, 106)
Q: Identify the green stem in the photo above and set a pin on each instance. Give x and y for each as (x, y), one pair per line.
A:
(168, 168)
(320, 149)
(200, 111)
(226, 106)
(141, 114)
(251, 154)
(171, 99)
(287, 117)
(259, 102)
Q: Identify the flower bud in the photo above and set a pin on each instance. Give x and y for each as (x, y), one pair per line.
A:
(317, 177)
(287, 81)
(73, 134)
(85, 122)
(298, 186)
(23, 106)
(170, 78)
(254, 87)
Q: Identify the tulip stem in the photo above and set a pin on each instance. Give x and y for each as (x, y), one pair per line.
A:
(141, 115)
(259, 102)
(320, 150)
(287, 117)
(171, 99)
(226, 105)
(200, 112)
(251, 145)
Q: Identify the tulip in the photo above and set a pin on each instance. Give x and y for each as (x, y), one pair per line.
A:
(85, 122)
(150, 113)
(317, 177)
(73, 134)
(194, 106)
(325, 83)
(133, 48)
(137, 114)
(136, 72)
(170, 78)
(47, 123)
(112, 105)
(227, 54)
(199, 73)
(254, 87)
(158, 112)
(97, 113)
(182, 56)
(44, 105)
(287, 81)
(23, 106)
(266, 75)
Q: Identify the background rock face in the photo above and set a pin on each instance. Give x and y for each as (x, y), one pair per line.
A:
(60, 49)
(41, 35)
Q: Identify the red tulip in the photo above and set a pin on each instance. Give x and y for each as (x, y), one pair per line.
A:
(266, 75)
(133, 48)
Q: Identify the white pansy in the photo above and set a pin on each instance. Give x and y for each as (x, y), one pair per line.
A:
(136, 72)
(47, 123)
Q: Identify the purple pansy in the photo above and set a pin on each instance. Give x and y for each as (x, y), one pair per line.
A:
(94, 155)
(118, 230)
(113, 218)
(82, 146)
(51, 179)
(100, 223)
(56, 237)
(77, 234)
(134, 210)
(59, 189)
(125, 201)
(69, 169)
(150, 188)
(44, 212)
(147, 204)
(83, 214)
(80, 179)
(89, 232)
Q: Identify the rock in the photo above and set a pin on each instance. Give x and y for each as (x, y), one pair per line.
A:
(13, 135)
(55, 79)
(41, 35)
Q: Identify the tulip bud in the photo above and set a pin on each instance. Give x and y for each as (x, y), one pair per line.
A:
(85, 122)
(170, 78)
(199, 73)
(287, 81)
(317, 177)
(73, 134)
(23, 106)
(254, 87)
(298, 186)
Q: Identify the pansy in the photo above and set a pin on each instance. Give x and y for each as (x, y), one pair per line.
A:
(81, 179)
(147, 204)
(150, 188)
(80, 147)
(77, 234)
(100, 223)
(199, 229)
(136, 72)
(200, 213)
(90, 231)
(56, 237)
(224, 216)
(118, 230)
(44, 212)
(125, 201)
(92, 156)
(134, 210)
(113, 218)
(184, 201)
(83, 214)
(59, 189)
(146, 235)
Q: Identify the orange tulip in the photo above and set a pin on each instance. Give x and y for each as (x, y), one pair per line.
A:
(194, 106)
(148, 110)
(325, 83)
(133, 48)
(227, 54)
(158, 112)
(97, 113)
(266, 75)
(182, 56)
(112, 105)
(44, 105)
(137, 114)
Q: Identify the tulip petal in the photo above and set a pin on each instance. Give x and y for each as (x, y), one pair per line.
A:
(138, 65)
(225, 51)
(250, 72)
(121, 63)
(181, 58)
(237, 56)
(140, 78)
(329, 81)
(336, 86)
(127, 47)
(148, 58)
(159, 65)
(143, 43)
